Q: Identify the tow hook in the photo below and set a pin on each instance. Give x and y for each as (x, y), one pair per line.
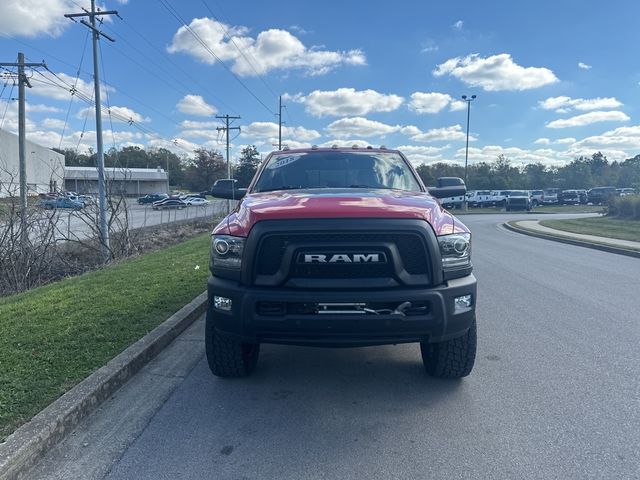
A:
(400, 309)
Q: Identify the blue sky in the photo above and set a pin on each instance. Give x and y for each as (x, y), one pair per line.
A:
(553, 80)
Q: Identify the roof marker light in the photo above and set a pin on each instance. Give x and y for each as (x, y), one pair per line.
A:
(314, 147)
(334, 146)
(382, 147)
(354, 146)
(285, 148)
(369, 147)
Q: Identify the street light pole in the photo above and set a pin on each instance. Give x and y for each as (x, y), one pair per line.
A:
(466, 152)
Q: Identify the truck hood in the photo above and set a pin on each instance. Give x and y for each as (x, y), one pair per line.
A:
(338, 203)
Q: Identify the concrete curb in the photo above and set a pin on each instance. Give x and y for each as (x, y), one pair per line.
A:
(27, 445)
(571, 241)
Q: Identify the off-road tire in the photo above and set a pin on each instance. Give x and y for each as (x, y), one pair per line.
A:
(228, 357)
(452, 358)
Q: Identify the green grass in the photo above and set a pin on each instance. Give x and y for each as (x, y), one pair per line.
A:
(545, 209)
(54, 336)
(570, 209)
(600, 226)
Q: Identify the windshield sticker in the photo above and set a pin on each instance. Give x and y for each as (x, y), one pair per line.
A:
(284, 160)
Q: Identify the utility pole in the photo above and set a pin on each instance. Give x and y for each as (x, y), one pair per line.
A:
(466, 153)
(280, 123)
(22, 81)
(226, 129)
(102, 198)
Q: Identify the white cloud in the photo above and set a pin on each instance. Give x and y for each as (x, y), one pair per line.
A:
(457, 105)
(53, 123)
(346, 101)
(272, 49)
(564, 104)
(565, 141)
(495, 73)
(584, 66)
(118, 114)
(410, 130)
(191, 124)
(31, 18)
(195, 105)
(429, 102)
(517, 156)
(63, 90)
(418, 154)
(588, 119)
(620, 139)
(543, 141)
(445, 134)
(359, 127)
(458, 25)
(270, 130)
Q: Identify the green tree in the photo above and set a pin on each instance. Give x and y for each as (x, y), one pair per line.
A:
(247, 166)
(205, 168)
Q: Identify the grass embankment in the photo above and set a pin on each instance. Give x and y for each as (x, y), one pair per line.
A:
(544, 209)
(599, 226)
(54, 336)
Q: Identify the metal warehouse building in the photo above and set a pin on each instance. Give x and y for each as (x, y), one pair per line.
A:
(45, 168)
(130, 181)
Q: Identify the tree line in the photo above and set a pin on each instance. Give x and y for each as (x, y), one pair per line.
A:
(200, 171)
(581, 173)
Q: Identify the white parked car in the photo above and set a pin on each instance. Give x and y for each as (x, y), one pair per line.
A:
(196, 201)
(479, 198)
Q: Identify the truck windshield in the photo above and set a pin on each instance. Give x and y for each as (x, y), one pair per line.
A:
(322, 169)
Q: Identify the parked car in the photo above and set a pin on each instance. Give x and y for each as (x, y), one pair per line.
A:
(151, 198)
(227, 185)
(537, 197)
(61, 202)
(601, 195)
(518, 200)
(196, 201)
(623, 192)
(582, 194)
(551, 196)
(479, 198)
(168, 203)
(569, 197)
(202, 195)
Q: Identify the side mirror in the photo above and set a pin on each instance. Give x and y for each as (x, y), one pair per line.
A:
(228, 193)
(446, 192)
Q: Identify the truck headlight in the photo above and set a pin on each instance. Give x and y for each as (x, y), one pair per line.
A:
(455, 250)
(226, 252)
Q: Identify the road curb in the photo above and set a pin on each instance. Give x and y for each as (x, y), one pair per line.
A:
(28, 444)
(571, 241)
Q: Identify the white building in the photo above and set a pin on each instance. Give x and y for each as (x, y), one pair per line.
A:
(128, 181)
(45, 168)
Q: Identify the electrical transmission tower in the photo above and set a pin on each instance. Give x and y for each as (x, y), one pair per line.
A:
(102, 198)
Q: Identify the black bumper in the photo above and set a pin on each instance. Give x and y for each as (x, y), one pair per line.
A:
(245, 322)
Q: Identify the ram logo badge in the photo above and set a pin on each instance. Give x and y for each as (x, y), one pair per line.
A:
(375, 257)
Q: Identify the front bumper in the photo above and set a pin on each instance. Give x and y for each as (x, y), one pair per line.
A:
(246, 323)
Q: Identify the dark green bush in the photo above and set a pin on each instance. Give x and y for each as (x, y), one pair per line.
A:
(624, 207)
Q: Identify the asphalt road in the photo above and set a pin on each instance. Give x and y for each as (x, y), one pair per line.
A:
(555, 393)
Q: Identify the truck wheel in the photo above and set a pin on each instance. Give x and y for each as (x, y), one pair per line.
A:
(228, 357)
(452, 358)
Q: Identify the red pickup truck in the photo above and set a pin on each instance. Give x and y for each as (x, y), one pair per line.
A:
(340, 247)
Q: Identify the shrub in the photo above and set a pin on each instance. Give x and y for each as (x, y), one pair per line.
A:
(624, 207)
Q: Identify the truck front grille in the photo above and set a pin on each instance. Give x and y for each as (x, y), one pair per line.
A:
(403, 250)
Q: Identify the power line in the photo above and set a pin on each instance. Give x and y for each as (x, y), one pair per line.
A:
(191, 79)
(66, 118)
(177, 16)
(230, 37)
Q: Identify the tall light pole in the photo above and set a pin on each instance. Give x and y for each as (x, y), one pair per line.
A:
(466, 152)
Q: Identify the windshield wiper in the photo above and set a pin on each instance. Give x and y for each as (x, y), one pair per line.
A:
(283, 187)
(367, 186)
